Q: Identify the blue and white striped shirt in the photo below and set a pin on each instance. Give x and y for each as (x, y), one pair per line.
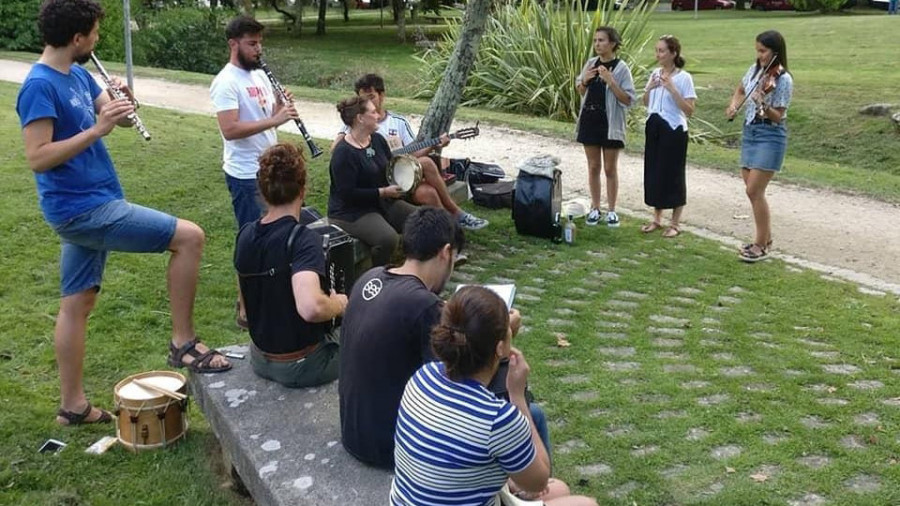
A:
(455, 443)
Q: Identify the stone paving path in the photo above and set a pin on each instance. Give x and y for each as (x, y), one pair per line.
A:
(846, 237)
(638, 335)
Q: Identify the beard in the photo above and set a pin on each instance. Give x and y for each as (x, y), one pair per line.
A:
(81, 59)
(247, 63)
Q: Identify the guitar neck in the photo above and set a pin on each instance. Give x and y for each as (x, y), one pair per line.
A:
(415, 146)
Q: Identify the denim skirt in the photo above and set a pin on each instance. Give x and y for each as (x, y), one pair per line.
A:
(763, 146)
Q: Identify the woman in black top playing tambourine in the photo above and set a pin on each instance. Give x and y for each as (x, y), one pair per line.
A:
(360, 200)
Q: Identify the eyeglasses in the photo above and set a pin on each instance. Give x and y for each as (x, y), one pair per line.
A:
(370, 152)
(667, 37)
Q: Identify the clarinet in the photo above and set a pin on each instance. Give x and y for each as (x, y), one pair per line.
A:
(314, 150)
(117, 94)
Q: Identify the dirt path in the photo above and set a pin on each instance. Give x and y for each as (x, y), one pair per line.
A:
(852, 238)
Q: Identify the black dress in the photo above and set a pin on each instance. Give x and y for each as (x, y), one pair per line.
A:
(593, 124)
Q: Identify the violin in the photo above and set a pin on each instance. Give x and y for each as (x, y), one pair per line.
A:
(765, 82)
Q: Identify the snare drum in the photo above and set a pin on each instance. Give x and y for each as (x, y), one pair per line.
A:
(406, 172)
(146, 419)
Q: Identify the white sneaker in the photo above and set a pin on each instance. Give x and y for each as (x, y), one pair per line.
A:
(469, 221)
(593, 217)
(612, 219)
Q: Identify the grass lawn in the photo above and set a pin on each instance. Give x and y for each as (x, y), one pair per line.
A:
(690, 378)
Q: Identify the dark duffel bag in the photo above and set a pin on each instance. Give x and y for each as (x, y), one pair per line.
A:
(493, 195)
(537, 203)
(475, 172)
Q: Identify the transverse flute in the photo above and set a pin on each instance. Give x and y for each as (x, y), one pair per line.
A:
(117, 93)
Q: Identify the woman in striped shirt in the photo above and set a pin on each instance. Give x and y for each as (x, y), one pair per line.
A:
(456, 442)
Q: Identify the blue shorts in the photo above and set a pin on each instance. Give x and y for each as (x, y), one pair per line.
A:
(114, 226)
(245, 199)
(763, 146)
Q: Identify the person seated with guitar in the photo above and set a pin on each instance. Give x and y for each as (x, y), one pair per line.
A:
(398, 133)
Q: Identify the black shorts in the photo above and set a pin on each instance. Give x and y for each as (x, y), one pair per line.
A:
(593, 130)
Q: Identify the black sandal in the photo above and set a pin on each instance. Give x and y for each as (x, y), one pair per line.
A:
(201, 361)
(753, 254)
(73, 419)
(748, 245)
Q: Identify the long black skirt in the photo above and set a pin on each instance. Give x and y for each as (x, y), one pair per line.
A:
(665, 155)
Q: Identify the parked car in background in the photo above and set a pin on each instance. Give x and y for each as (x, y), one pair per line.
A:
(771, 5)
(686, 5)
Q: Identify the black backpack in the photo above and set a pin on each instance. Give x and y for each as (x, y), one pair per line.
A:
(537, 203)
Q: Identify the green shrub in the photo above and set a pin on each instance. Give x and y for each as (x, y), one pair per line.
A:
(182, 39)
(531, 53)
(824, 6)
(19, 31)
(18, 25)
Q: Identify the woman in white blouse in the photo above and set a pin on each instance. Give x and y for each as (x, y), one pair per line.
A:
(669, 97)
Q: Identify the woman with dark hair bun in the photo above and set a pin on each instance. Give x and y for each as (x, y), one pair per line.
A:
(360, 199)
(456, 442)
(764, 137)
(669, 97)
(281, 268)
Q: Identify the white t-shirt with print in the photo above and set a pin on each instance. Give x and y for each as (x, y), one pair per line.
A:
(661, 101)
(250, 92)
(394, 128)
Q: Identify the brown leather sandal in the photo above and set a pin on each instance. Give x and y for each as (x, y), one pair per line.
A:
(650, 227)
(73, 419)
(201, 362)
(671, 232)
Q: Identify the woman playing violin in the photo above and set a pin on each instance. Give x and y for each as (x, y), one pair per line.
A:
(769, 85)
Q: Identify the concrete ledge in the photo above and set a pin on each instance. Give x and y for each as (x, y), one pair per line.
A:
(458, 192)
(285, 443)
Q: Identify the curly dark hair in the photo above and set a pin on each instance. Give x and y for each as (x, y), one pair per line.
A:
(60, 20)
(282, 174)
(473, 321)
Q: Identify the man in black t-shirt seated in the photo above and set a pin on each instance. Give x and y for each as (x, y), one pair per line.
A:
(281, 267)
(386, 334)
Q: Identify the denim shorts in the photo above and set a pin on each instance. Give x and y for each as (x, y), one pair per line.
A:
(117, 225)
(763, 146)
(245, 199)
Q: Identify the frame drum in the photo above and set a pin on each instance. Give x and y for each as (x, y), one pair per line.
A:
(146, 419)
(405, 172)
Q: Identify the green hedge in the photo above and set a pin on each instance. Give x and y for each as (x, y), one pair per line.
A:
(190, 39)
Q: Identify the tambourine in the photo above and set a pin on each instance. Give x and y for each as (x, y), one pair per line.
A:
(406, 172)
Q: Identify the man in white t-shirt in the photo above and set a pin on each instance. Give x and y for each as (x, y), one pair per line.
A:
(398, 132)
(248, 114)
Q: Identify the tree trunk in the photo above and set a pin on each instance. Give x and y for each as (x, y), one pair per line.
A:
(401, 19)
(443, 106)
(320, 24)
(740, 5)
(346, 10)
